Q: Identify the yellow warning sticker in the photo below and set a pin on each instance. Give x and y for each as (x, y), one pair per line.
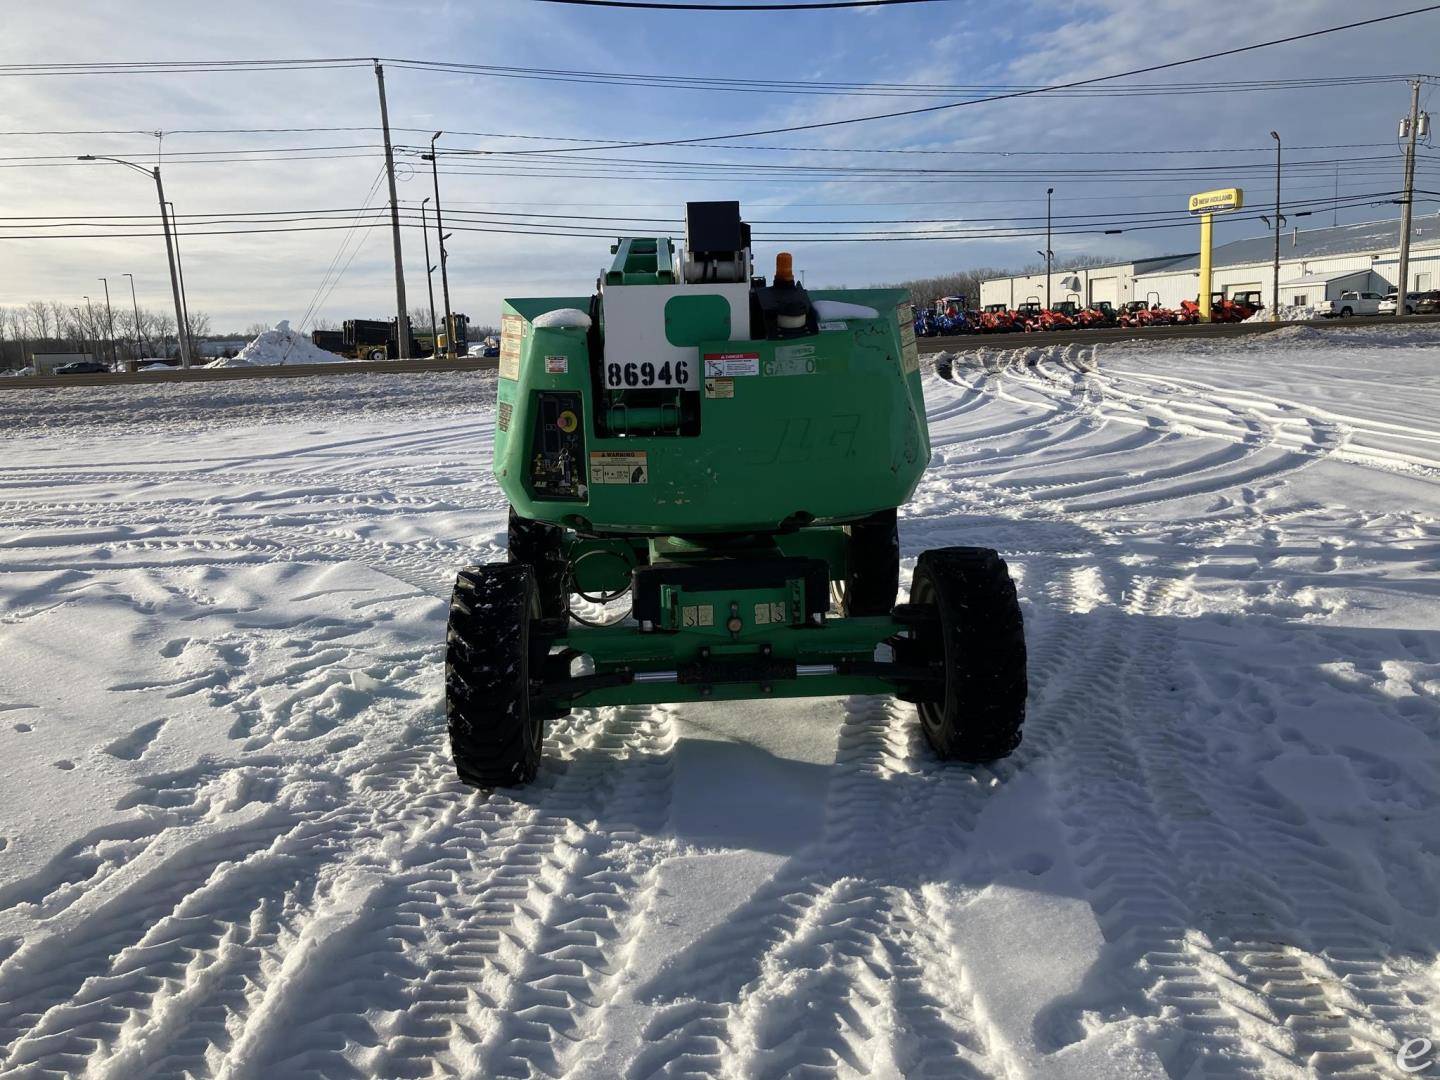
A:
(719, 388)
(619, 467)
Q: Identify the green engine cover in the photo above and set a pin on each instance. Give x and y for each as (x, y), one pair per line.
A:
(820, 429)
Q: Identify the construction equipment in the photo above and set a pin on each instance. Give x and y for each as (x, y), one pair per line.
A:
(727, 455)
(372, 339)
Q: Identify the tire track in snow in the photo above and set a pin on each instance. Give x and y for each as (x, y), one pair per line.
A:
(1230, 916)
(265, 957)
(844, 937)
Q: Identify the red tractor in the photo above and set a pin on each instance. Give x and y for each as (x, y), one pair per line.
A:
(1233, 309)
(1097, 315)
(1237, 308)
(1134, 313)
(1036, 318)
(998, 319)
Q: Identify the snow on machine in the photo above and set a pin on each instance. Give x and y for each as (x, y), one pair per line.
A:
(728, 454)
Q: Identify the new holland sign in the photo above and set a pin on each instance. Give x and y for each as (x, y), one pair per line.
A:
(1211, 202)
(1207, 204)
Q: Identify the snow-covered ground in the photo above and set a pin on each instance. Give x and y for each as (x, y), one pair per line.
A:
(232, 843)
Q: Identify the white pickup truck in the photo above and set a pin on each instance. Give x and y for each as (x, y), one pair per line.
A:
(1350, 303)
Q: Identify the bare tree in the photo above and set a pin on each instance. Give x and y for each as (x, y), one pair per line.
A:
(40, 319)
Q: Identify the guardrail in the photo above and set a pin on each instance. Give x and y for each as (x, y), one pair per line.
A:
(282, 371)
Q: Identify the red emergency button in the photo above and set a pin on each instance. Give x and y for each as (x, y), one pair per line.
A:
(567, 422)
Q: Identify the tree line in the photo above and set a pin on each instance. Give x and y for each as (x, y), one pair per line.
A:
(49, 326)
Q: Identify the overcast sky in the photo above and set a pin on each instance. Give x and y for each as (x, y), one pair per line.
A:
(241, 279)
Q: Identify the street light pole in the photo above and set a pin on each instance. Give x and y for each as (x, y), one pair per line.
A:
(110, 324)
(444, 258)
(1049, 252)
(429, 277)
(136, 304)
(182, 338)
(86, 326)
(1275, 283)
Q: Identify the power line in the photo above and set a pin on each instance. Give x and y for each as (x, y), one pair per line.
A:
(588, 231)
(655, 5)
(704, 146)
(51, 221)
(1170, 65)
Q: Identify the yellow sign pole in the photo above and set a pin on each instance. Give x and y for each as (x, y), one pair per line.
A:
(1206, 205)
(1207, 222)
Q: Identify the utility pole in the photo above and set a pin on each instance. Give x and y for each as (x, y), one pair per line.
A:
(1049, 252)
(429, 277)
(136, 304)
(1407, 207)
(110, 324)
(87, 324)
(402, 320)
(1275, 284)
(182, 337)
(444, 257)
(180, 266)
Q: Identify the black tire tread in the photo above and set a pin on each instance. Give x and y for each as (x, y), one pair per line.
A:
(984, 644)
(487, 690)
(541, 546)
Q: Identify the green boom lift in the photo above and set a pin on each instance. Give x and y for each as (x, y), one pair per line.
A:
(730, 454)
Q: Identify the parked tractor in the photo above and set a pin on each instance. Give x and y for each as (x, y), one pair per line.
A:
(999, 319)
(1034, 318)
(1097, 315)
(1236, 308)
(725, 457)
(948, 316)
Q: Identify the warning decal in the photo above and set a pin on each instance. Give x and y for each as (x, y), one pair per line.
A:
(718, 388)
(557, 365)
(909, 350)
(512, 334)
(619, 467)
(730, 365)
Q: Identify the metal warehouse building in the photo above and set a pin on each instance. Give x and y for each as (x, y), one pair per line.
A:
(1315, 264)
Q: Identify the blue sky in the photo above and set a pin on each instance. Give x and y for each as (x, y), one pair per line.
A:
(240, 279)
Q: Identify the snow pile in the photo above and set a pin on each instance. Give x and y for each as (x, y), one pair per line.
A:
(281, 345)
(565, 318)
(1300, 313)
